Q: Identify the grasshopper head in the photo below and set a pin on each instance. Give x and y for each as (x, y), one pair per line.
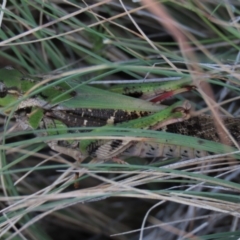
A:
(10, 87)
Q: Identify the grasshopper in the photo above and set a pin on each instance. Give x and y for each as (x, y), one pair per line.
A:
(54, 110)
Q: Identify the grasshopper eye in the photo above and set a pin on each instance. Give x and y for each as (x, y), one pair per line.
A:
(3, 90)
